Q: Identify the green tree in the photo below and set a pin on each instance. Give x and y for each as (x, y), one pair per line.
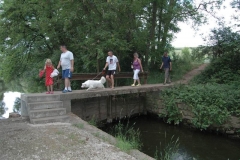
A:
(2, 108)
(32, 31)
(17, 105)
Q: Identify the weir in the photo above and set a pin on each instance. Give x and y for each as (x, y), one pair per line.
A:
(100, 104)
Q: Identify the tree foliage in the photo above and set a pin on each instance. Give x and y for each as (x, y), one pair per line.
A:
(225, 52)
(32, 31)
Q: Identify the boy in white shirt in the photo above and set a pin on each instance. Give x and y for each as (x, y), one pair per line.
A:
(67, 63)
(112, 64)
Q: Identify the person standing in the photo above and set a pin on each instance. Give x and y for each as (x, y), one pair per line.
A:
(167, 66)
(112, 63)
(67, 64)
(137, 66)
(48, 69)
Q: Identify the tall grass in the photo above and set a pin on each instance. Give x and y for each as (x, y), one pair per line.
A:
(169, 151)
(127, 137)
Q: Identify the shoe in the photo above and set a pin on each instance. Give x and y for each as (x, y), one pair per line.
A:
(133, 85)
(51, 93)
(164, 83)
(69, 90)
(139, 85)
(169, 82)
(47, 92)
(64, 91)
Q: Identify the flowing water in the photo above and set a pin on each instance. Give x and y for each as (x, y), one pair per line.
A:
(192, 144)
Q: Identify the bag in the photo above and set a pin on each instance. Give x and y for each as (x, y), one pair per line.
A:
(54, 73)
(41, 73)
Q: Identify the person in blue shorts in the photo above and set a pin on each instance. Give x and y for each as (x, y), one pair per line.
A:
(67, 64)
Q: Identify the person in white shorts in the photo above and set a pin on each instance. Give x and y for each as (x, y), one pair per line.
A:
(137, 67)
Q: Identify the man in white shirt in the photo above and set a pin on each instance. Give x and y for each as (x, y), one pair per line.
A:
(112, 64)
(67, 63)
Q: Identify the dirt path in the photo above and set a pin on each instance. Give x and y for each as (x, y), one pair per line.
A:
(190, 75)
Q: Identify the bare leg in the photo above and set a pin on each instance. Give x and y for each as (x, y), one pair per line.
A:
(109, 80)
(134, 81)
(51, 88)
(67, 83)
(48, 88)
(138, 81)
(112, 78)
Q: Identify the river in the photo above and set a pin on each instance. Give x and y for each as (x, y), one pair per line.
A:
(192, 144)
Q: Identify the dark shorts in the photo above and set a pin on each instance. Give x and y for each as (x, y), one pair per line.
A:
(66, 74)
(111, 72)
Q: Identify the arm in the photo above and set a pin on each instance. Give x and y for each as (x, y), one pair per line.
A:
(105, 66)
(59, 64)
(139, 61)
(161, 65)
(119, 69)
(44, 68)
(72, 65)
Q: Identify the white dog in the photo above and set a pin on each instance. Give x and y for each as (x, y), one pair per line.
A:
(92, 84)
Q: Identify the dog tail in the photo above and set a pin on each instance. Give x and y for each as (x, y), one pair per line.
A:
(103, 80)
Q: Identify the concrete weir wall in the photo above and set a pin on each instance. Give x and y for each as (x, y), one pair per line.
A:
(100, 104)
(156, 106)
(109, 107)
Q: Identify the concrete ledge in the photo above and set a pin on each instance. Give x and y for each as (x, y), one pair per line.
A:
(106, 137)
(82, 94)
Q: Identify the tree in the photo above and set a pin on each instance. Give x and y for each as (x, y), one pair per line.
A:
(32, 31)
(17, 105)
(2, 108)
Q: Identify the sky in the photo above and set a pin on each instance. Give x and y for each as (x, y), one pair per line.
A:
(9, 98)
(188, 37)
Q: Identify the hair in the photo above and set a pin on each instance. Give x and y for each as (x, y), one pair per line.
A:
(48, 61)
(63, 45)
(135, 54)
(110, 51)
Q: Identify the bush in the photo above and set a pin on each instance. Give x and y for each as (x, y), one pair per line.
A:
(211, 104)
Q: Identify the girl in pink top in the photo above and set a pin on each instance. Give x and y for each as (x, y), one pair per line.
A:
(137, 66)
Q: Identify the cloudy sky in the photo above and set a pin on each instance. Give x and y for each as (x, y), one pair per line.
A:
(188, 37)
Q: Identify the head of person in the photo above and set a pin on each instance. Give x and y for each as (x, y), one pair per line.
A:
(135, 55)
(110, 53)
(63, 48)
(165, 54)
(48, 62)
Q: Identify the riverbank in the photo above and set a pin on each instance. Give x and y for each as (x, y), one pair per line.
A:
(74, 140)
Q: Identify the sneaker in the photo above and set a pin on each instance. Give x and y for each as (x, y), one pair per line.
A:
(64, 91)
(47, 92)
(133, 85)
(139, 85)
(69, 90)
(164, 83)
(51, 92)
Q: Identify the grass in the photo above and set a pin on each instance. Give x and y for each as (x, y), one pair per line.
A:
(93, 121)
(79, 125)
(169, 151)
(127, 137)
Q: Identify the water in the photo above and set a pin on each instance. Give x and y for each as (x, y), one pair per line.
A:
(9, 99)
(193, 144)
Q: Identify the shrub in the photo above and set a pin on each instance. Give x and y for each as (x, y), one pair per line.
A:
(211, 103)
